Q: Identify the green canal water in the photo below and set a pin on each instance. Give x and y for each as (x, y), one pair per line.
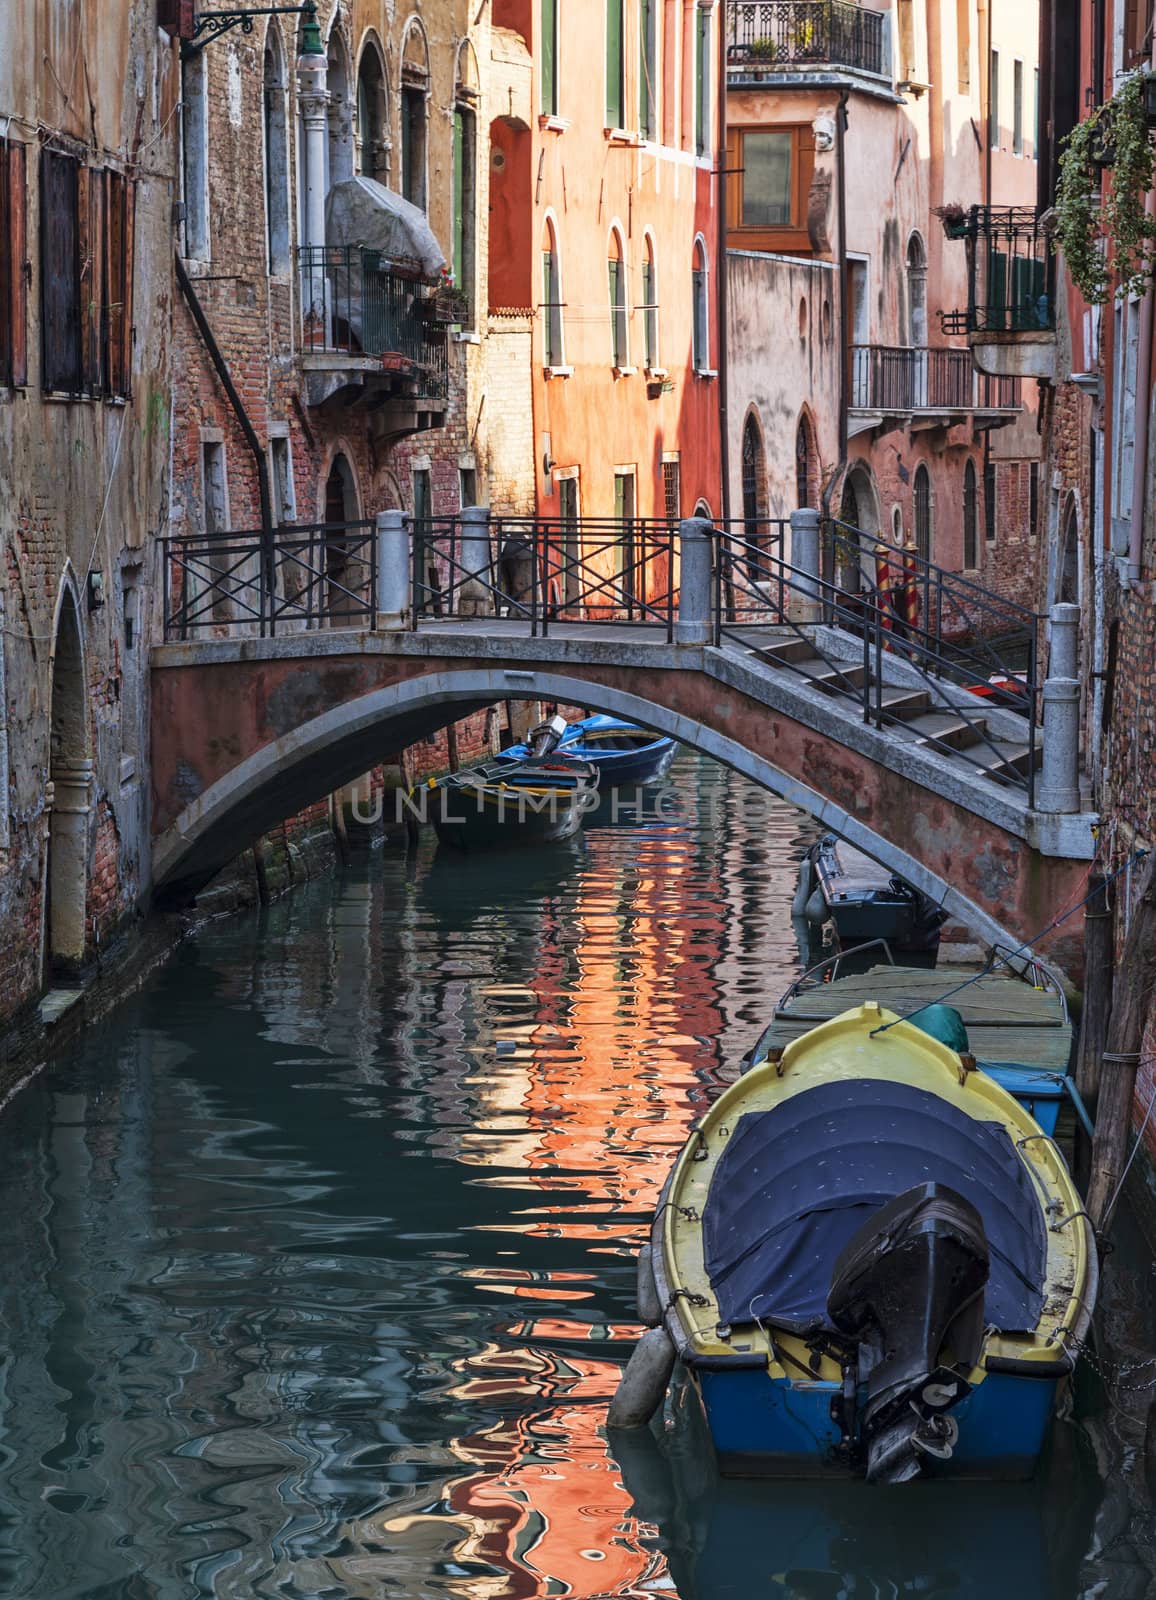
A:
(317, 1265)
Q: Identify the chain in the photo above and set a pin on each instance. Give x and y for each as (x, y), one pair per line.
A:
(1115, 1380)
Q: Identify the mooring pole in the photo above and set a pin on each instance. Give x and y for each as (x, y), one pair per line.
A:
(1099, 970)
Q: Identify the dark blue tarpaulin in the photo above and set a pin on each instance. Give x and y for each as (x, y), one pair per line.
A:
(795, 1183)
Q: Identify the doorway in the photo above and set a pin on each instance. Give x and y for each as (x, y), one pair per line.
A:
(344, 571)
(70, 778)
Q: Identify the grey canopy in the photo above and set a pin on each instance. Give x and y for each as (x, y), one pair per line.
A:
(361, 211)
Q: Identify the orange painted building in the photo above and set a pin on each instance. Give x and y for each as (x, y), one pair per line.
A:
(603, 248)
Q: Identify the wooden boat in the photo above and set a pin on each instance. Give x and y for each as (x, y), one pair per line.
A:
(839, 884)
(871, 1260)
(625, 755)
(531, 798)
(1014, 1018)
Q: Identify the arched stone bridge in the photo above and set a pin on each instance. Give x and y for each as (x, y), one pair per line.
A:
(246, 731)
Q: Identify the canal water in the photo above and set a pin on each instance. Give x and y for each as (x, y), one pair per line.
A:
(317, 1266)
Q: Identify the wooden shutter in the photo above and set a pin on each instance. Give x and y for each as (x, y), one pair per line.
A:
(16, 239)
(8, 268)
(92, 286)
(61, 331)
(117, 340)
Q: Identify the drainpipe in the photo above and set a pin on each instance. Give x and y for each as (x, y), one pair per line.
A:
(723, 174)
(262, 467)
(844, 324)
(1143, 413)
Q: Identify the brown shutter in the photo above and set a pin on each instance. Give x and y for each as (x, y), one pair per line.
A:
(92, 288)
(8, 269)
(60, 316)
(16, 237)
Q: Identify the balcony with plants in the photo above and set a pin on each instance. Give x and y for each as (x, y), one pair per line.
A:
(773, 39)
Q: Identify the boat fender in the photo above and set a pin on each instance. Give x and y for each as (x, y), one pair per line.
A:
(806, 884)
(649, 1305)
(816, 909)
(643, 1384)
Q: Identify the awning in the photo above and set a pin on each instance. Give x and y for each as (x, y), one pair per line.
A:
(360, 211)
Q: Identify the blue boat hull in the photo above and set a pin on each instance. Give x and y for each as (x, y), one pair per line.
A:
(617, 769)
(765, 1427)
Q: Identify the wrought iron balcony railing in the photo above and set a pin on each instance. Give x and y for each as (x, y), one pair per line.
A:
(1010, 272)
(797, 35)
(909, 378)
(356, 302)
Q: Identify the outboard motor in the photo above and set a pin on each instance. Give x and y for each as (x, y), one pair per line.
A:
(547, 736)
(908, 1287)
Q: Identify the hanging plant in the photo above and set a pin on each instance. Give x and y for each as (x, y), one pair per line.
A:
(1089, 211)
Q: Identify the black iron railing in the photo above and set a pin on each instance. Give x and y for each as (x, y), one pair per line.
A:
(913, 378)
(356, 302)
(794, 35)
(311, 574)
(1010, 272)
(955, 636)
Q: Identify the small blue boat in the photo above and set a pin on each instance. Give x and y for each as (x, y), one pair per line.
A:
(625, 755)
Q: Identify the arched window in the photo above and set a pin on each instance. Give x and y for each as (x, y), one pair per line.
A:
(922, 504)
(337, 82)
(195, 150)
(754, 484)
(414, 95)
(276, 156)
(552, 349)
(1068, 579)
(649, 306)
(916, 291)
(616, 272)
(647, 68)
(970, 518)
(806, 474)
(700, 322)
(372, 116)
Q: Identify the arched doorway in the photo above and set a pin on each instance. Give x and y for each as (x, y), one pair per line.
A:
(70, 777)
(921, 506)
(345, 573)
(1068, 571)
(754, 486)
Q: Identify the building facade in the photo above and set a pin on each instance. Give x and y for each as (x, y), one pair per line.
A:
(855, 134)
(88, 105)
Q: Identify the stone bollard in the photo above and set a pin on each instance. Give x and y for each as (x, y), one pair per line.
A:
(694, 583)
(393, 571)
(475, 572)
(1059, 786)
(805, 557)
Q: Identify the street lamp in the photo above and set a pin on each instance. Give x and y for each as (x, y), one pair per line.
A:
(212, 24)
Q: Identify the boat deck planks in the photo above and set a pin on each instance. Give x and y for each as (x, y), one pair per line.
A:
(1006, 1019)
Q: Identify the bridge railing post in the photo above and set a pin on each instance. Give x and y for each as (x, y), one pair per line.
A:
(475, 597)
(393, 571)
(1059, 788)
(696, 545)
(805, 559)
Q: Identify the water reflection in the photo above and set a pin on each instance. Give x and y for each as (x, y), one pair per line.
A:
(318, 1271)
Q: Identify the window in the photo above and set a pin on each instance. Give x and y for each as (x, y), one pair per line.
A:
(13, 310)
(700, 323)
(284, 498)
(339, 86)
(754, 486)
(549, 79)
(372, 117)
(1034, 498)
(989, 505)
(571, 537)
(671, 489)
(413, 144)
(86, 277)
(422, 495)
(922, 498)
(970, 519)
(805, 475)
(1137, 18)
(647, 68)
(615, 63)
(702, 138)
(616, 269)
(1017, 108)
(769, 179)
(552, 354)
(917, 291)
(465, 205)
(195, 152)
(993, 102)
(276, 158)
(963, 43)
(624, 553)
(649, 307)
(467, 486)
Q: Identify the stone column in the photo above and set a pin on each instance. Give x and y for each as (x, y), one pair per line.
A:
(70, 802)
(313, 98)
(1059, 786)
(476, 564)
(393, 571)
(696, 547)
(805, 558)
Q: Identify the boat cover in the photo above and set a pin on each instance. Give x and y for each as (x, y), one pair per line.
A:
(796, 1181)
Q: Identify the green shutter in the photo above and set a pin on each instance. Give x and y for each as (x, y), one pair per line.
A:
(614, 64)
(615, 268)
(550, 57)
(701, 87)
(459, 244)
(646, 68)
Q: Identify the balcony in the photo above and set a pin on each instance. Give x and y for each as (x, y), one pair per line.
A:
(777, 38)
(370, 324)
(904, 384)
(1010, 319)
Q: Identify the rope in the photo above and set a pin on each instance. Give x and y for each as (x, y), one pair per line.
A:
(1024, 949)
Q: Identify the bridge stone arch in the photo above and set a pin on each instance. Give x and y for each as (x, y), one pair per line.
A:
(296, 731)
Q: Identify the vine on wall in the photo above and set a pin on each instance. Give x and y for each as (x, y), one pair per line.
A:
(1101, 226)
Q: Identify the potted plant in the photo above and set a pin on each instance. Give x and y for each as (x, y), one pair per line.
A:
(954, 220)
(1096, 202)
